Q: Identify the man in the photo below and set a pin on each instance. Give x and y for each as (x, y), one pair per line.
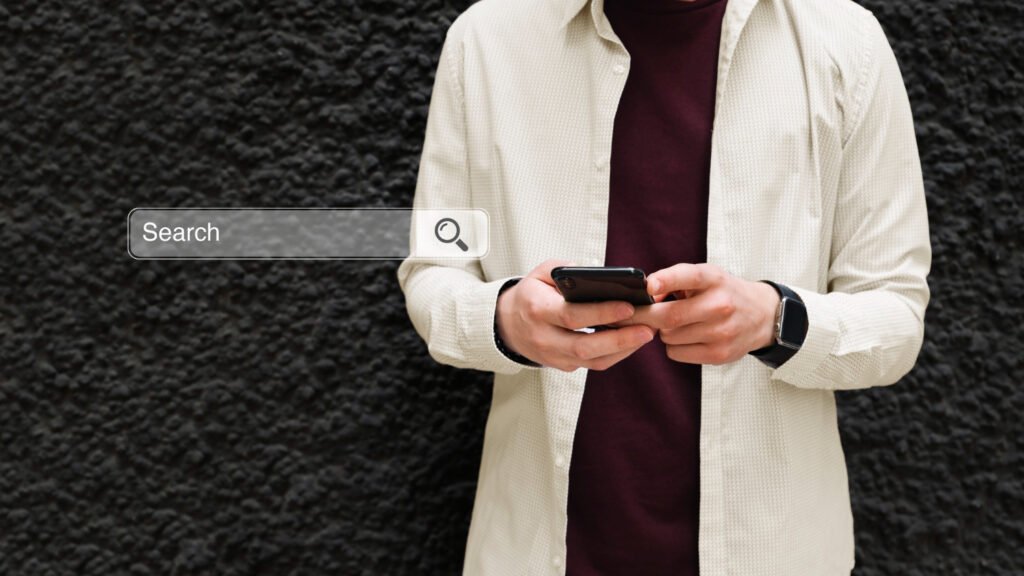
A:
(701, 432)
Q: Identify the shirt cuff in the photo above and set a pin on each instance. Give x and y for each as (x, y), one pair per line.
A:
(822, 335)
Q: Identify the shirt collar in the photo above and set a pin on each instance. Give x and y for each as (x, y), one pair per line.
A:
(570, 8)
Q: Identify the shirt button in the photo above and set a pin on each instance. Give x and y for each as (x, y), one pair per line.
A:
(560, 461)
(557, 561)
(601, 161)
(619, 69)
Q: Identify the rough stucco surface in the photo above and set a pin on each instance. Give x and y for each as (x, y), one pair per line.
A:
(284, 418)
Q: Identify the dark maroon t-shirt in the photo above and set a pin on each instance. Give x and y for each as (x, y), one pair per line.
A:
(634, 477)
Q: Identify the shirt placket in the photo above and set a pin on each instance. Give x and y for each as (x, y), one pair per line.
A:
(612, 70)
(713, 552)
(611, 64)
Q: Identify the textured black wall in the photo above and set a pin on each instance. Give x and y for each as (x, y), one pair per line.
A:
(283, 418)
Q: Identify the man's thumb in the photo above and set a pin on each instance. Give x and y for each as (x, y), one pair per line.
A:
(543, 270)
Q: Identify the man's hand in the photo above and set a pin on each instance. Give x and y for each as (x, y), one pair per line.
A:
(717, 317)
(536, 322)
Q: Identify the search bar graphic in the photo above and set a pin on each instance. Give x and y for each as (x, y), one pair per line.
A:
(307, 233)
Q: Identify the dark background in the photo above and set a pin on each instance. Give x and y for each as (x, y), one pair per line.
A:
(283, 417)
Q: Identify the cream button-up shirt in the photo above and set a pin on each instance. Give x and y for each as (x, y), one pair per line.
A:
(815, 182)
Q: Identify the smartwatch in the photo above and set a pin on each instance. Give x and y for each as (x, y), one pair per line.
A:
(790, 327)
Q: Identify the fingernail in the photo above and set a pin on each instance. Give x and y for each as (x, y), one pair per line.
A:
(626, 311)
(654, 285)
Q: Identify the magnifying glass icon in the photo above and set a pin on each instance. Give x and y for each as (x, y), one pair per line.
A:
(447, 231)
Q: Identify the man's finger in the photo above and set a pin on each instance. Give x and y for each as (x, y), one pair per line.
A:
(605, 362)
(543, 270)
(698, 354)
(688, 353)
(584, 347)
(585, 315)
(658, 298)
(695, 333)
(683, 277)
(669, 315)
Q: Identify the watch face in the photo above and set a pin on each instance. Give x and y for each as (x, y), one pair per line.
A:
(794, 323)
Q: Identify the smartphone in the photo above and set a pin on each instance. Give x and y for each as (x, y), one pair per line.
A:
(600, 284)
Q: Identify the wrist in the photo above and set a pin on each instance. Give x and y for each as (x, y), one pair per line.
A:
(501, 311)
(791, 327)
(768, 300)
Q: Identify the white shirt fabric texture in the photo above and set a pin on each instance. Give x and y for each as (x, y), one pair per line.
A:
(815, 182)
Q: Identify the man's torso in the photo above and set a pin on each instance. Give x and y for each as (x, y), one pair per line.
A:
(540, 102)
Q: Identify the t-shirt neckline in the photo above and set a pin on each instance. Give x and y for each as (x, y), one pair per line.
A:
(659, 6)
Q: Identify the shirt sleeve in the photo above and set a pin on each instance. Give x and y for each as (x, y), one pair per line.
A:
(451, 304)
(868, 329)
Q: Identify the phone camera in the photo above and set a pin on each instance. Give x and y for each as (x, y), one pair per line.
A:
(567, 283)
